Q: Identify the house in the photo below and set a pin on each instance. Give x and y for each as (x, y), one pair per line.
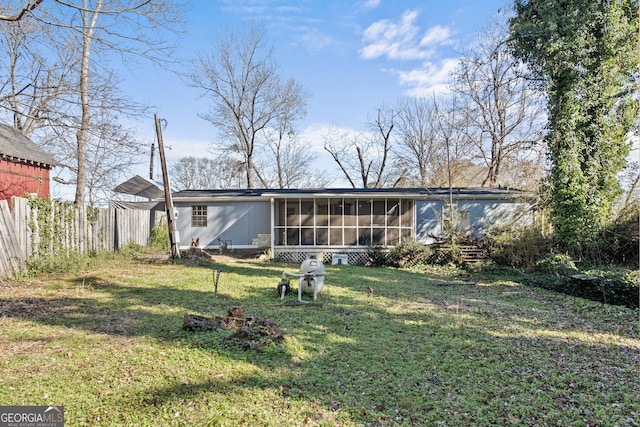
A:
(24, 166)
(294, 223)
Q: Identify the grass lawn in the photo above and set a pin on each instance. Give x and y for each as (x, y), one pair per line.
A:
(424, 349)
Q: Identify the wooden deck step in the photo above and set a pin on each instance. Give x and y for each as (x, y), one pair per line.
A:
(473, 254)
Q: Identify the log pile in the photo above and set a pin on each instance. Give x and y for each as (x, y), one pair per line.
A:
(251, 333)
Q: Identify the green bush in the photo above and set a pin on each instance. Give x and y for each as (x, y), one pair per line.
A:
(617, 242)
(130, 250)
(409, 253)
(524, 247)
(446, 254)
(159, 239)
(558, 264)
(619, 288)
(378, 256)
(518, 247)
(61, 263)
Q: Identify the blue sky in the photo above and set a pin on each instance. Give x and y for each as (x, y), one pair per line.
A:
(351, 56)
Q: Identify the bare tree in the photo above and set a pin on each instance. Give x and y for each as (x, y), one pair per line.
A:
(247, 94)
(40, 95)
(504, 110)
(70, 62)
(27, 7)
(188, 173)
(107, 162)
(363, 156)
(291, 157)
(110, 23)
(382, 125)
(432, 148)
(112, 148)
(198, 173)
(36, 75)
(455, 166)
(418, 145)
(293, 160)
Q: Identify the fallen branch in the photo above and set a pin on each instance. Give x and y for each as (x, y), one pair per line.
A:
(294, 303)
(468, 283)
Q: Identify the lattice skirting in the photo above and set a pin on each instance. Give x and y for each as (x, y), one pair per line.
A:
(296, 257)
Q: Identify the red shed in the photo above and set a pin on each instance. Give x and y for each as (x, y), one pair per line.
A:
(24, 166)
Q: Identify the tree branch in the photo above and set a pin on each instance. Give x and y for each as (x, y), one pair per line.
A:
(18, 16)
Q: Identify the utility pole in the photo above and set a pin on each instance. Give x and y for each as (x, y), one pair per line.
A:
(153, 149)
(639, 148)
(173, 234)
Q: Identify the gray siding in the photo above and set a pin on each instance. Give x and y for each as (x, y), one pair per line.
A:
(236, 223)
(483, 214)
(428, 223)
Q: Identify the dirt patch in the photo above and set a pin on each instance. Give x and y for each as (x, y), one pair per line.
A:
(33, 308)
(67, 311)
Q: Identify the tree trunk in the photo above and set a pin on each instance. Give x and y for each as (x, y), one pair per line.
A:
(89, 19)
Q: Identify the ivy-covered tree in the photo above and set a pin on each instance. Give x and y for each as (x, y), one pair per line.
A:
(583, 53)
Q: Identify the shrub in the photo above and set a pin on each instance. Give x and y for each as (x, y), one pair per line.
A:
(617, 242)
(558, 264)
(130, 250)
(159, 239)
(619, 288)
(378, 256)
(518, 247)
(56, 263)
(446, 254)
(409, 253)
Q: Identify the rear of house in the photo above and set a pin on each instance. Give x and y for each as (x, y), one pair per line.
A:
(340, 222)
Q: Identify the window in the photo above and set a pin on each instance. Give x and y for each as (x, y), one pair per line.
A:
(198, 216)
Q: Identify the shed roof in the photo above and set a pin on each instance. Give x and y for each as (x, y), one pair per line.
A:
(16, 146)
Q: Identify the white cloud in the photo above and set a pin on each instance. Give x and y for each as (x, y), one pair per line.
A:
(401, 40)
(313, 136)
(436, 35)
(177, 148)
(371, 4)
(395, 40)
(261, 8)
(315, 40)
(431, 77)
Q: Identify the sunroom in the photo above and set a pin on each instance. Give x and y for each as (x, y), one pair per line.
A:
(347, 224)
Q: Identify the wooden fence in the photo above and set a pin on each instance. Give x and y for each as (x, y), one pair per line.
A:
(37, 228)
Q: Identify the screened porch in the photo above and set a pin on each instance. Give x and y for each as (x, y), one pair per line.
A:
(343, 221)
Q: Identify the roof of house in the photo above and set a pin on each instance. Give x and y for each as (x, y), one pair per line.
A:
(421, 193)
(15, 146)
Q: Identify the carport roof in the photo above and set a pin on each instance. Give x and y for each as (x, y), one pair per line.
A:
(142, 187)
